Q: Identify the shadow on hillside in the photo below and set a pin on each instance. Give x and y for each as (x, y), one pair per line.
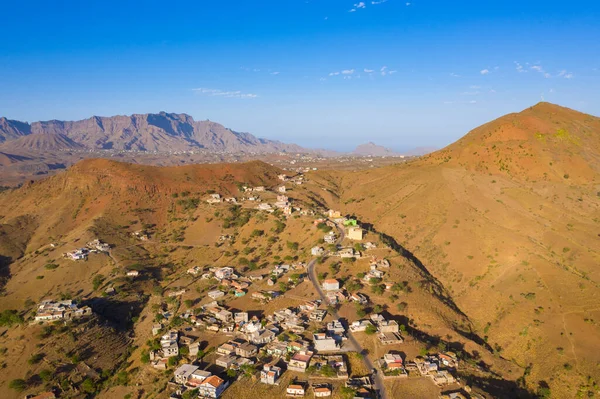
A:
(498, 388)
(119, 313)
(5, 262)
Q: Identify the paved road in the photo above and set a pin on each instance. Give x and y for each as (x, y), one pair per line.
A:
(312, 274)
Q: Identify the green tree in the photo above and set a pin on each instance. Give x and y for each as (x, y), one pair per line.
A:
(371, 329)
(173, 361)
(122, 378)
(9, 317)
(46, 375)
(88, 385)
(231, 373)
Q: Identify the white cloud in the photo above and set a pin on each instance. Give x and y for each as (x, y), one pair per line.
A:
(322, 79)
(368, 70)
(454, 75)
(407, 4)
(347, 71)
(334, 73)
(383, 70)
(274, 73)
(352, 10)
(378, 2)
(537, 68)
(469, 93)
(222, 93)
(392, 72)
(474, 87)
(360, 5)
(565, 74)
(484, 71)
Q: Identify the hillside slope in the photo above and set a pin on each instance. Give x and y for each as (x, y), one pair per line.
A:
(515, 242)
(40, 142)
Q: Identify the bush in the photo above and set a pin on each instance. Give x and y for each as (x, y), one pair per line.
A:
(378, 289)
(18, 385)
(402, 306)
(97, 281)
(292, 245)
(35, 359)
(51, 266)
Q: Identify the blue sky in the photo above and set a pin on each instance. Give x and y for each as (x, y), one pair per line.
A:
(321, 73)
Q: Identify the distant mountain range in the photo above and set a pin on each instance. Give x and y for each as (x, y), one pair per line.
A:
(142, 132)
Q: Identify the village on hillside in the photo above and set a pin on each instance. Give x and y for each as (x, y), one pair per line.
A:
(303, 347)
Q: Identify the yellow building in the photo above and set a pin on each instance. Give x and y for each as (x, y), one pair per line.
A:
(355, 233)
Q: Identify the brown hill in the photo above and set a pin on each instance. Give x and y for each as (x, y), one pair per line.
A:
(145, 132)
(515, 242)
(41, 142)
(545, 141)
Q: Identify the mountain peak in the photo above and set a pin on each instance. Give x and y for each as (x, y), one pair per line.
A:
(372, 149)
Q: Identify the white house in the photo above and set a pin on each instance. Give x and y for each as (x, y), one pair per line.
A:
(331, 285)
(183, 373)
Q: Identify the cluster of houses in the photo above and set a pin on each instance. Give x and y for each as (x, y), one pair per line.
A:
(277, 337)
(297, 180)
(51, 310)
(282, 202)
(93, 246)
(439, 367)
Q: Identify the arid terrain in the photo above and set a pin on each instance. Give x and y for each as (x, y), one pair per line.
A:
(491, 243)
